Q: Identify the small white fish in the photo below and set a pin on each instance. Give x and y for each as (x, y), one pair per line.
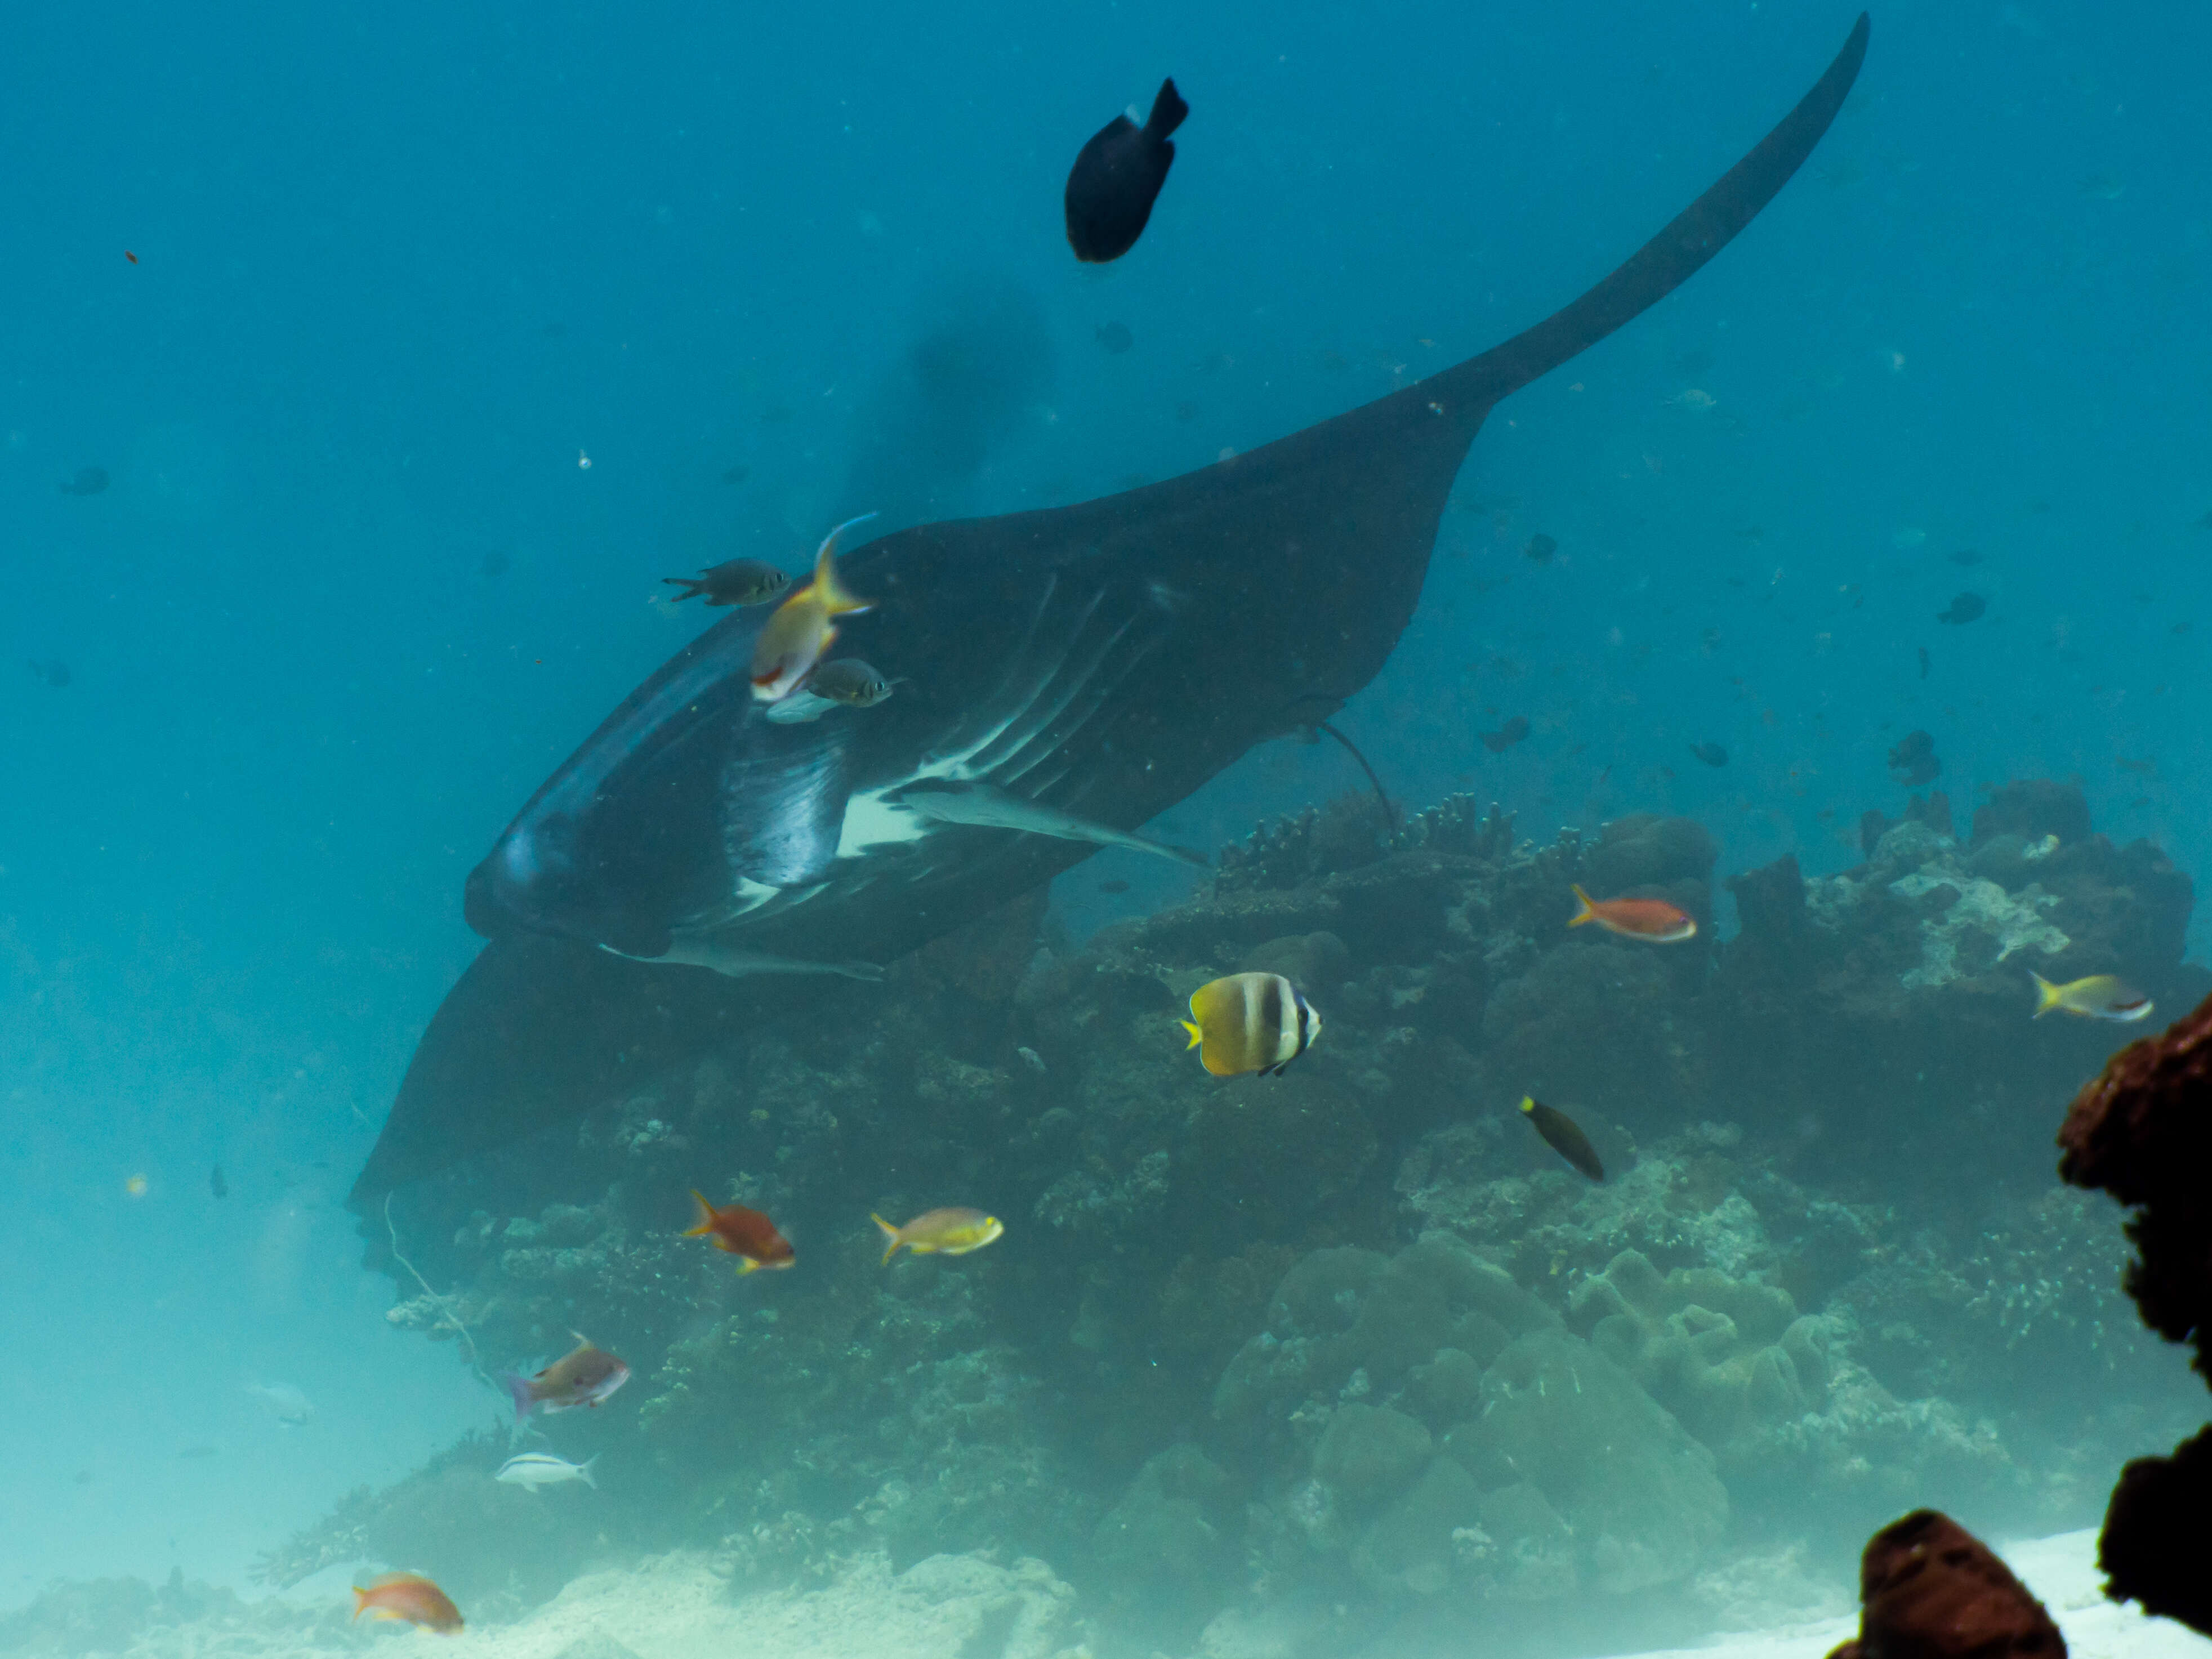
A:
(285, 1403)
(1032, 1058)
(988, 808)
(536, 1470)
(799, 707)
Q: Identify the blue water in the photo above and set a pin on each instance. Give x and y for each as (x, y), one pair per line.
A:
(400, 270)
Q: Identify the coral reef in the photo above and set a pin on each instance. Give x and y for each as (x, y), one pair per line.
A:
(1290, 1361)
(1930, 1589)
(1885, 1003)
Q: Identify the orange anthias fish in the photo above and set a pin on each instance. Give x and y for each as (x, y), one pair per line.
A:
(410, 1596)
(746, 1234)
(583, 1376)
(1652, 919)
(793, 640)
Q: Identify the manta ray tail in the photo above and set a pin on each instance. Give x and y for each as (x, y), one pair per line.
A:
(1668, 259)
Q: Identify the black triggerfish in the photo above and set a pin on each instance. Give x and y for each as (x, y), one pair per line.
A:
(1117, 177)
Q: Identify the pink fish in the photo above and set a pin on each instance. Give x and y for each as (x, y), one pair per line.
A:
(583, 1376)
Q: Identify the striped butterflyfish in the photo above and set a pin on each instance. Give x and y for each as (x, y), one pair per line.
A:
(1250, 1023)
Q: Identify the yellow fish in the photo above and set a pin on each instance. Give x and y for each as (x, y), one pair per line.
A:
(1250, 1023)
(939, 1232)
(793, 639)
(2100, 996)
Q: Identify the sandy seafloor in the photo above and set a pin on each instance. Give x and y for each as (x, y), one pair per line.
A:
(675, 1607)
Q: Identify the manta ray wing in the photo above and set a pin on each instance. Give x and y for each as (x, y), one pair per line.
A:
(1056, 655)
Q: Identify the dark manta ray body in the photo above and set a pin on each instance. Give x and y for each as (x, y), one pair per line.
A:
(1099, 661)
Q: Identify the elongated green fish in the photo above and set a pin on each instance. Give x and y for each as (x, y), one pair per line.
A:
(2100, 996)
(1563, 1136)
(940, 1232)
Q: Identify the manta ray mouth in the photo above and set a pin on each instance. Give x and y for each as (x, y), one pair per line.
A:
(1054, 659)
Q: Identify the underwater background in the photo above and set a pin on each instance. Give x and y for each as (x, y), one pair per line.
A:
(293, 498)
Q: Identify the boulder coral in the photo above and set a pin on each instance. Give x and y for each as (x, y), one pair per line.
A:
(1460, 1439)
(1729, 1357)
(1639, 1497)
(1172, 1539)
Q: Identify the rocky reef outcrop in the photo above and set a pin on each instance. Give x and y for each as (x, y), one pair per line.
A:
(1304, 1360)
(2142, 1133)
(1930, 1589)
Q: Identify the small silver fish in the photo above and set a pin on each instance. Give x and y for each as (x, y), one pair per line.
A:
(536, 1470)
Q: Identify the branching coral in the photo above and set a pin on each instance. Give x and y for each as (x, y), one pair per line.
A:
(449, 1317)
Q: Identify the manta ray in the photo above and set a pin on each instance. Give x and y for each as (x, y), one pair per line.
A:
(1065, 676)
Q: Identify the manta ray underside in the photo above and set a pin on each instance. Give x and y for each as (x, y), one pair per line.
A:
(1096, 662)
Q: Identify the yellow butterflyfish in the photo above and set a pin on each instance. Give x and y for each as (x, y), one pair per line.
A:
(1250, 1023)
